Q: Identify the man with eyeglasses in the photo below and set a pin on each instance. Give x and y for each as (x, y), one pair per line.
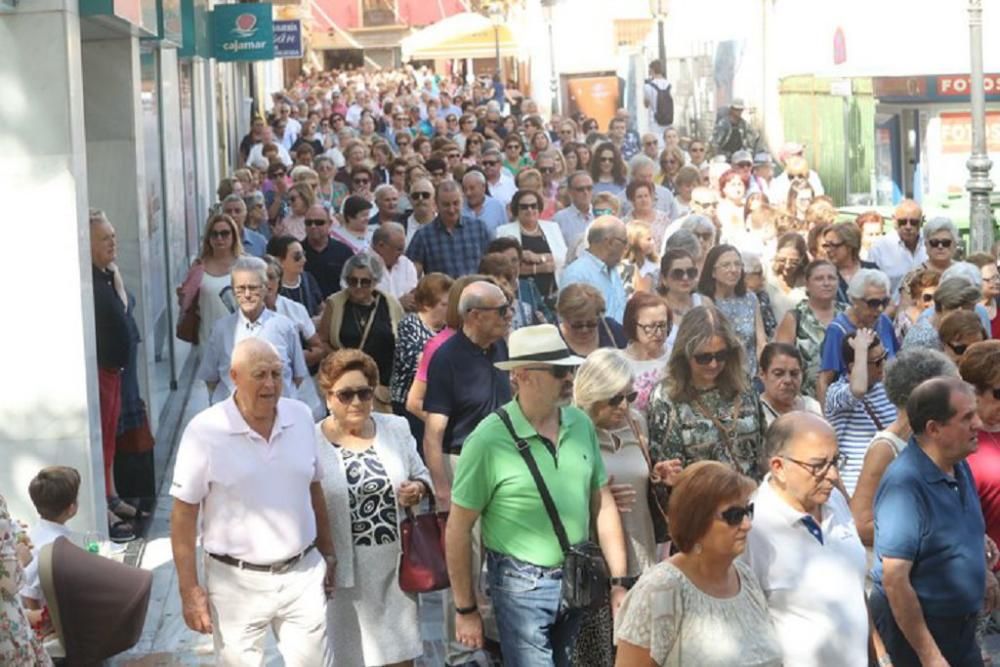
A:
(574, 219)
(931, 576)
(597, 265)
(804, 548)
(452, 244)
(424, 210)
(251, 320)
(494, 486)
(698, 153)
(479, 205)
(325, 256)
(501, 184)
(792, 156)
(463, 388)
(902, 250)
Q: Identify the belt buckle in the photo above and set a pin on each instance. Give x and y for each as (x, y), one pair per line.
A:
(282, 568)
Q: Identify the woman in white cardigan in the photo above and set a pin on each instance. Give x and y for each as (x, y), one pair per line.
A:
(544, 253)
(370, 471)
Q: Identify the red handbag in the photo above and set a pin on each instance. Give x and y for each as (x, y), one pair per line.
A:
(422, 566)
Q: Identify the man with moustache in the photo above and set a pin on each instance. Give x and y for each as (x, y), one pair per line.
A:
(493, 484)
(902, 250)
(805, 549)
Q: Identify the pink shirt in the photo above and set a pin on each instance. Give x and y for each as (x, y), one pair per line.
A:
(429, 349)
(985, 465)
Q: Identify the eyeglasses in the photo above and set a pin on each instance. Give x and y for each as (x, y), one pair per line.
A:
(583, 325)
(649, 143)
(820, 468)
(361, 181)
(531, 206)
(681, 274)
(416, 196)
(353, 281)
(583, 188)
(558, 372)
(247, 289)
(733, 516)
(617, 399)
(654, 327)
(490, 163)
(220, 233)
(911, 222)
(315, 222)
(877, 304)
(828, 245)
(939, 243)
(927, 298)
(958, 349)
(501, 310)
(604, 158)
(298, 256)
(878, 361)
(546, 170)
(705, 358)
(347, 396)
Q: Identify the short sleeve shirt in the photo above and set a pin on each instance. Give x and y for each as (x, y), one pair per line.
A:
(455, 253)
(492, 478)
(831, 357)
(326, 265)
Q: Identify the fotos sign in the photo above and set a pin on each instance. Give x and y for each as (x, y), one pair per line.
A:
(242, 32)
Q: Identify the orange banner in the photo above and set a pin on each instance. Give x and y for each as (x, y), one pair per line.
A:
(597, 97)
(956, 132)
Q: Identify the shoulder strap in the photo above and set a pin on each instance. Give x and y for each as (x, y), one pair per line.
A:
(371, 320)
(543, 490)
(607, 330)
(871, 413)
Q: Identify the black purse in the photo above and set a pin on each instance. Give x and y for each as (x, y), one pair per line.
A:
(585, 577)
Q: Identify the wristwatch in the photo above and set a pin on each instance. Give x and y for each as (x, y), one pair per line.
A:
(465, 611)
(885, 660)
(624, 582)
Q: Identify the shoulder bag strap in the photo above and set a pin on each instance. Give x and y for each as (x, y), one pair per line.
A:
(607, 330)
(723, 434)
(643, 445)
(543, 490)
(371, 321)
(871, 413)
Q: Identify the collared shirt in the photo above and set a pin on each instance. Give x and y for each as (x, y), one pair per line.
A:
(400, 279)
(463, 384)
(933, 520)
(815, 590)
(456, 252)
(326, 265)
(413, 226)
(492, 214)
(42, 533)
(244, 483)
(492, 478)
(503, 190)
(573, 223)
(270, 326)
(895, 260)
(665, 202)
(254, 243)
(110, 321)
(589, 269)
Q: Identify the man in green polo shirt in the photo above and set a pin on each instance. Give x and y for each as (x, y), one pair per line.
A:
(493, 484)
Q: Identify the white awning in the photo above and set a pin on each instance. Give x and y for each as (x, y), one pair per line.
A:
(466, 35)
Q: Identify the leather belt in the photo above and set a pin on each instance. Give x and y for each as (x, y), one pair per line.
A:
(274, 568)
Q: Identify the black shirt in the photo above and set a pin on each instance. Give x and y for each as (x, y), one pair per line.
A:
(546, 282)
(307, 293)
(380, 343)
(463, 384)
(111, 322)
(327, 265)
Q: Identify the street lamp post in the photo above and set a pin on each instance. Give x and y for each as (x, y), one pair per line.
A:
(496, 18)
(979, 184)
(548, 8)
(659, 9)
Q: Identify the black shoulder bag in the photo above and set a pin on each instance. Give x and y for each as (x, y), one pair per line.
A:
(585, 578)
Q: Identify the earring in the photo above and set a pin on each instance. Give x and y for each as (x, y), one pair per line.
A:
(697, 547)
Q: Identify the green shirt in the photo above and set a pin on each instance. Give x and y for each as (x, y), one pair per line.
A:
(492, 478)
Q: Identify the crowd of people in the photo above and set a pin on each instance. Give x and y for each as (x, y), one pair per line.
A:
(761, 422)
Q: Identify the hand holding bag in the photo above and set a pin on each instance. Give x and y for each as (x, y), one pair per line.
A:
(190, 317)
(422, 566)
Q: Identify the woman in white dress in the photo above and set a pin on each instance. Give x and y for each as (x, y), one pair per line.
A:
(701, 606)
(370, 471)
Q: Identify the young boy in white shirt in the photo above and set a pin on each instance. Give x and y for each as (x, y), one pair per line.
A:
(54, 493)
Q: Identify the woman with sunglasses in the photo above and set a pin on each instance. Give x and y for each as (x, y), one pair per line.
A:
(677, 284)
(842, 243)
(362, 317)
(706, 408)
(300, 197)
(275, 188)
(671, 160)
(371, 475)
(296, 284)
(208, 285)
(950, 295)
(582, 323)
(604, 389)
(514, 159)
(647, 326)
(959, 331)
(543, 248)
(723, 280)
(473, 149)
(608, 170)
(784, 276)
(919, 286)
(703, 606)
(941, 241)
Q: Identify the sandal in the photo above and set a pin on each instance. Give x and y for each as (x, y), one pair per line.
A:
(123, 510)
(120, 532)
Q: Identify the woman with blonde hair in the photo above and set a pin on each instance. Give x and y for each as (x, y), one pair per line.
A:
(842, 243)
(640, 264)
(300, 197)
(582, 322)
(208, 286)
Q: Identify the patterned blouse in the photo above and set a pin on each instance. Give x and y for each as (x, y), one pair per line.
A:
(687, 431)
(372, 498)
(18, 645)
(411, 336)
(741, 311)
(809, 334)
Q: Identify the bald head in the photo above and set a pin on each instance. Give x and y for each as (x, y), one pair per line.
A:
(479, 294)
(795, 427)
(607, 240)
(250, 351)
(317, 212)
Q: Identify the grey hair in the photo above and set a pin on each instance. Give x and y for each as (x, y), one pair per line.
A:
(605, 373)
(912, 367)
(363, 260)
(382, 189)
(470, 299)
(98, 216)
(491, 151)
(640, 160)
(684, 239)
(247, 264)
(260, 163)
(693, 222)
(475, 175)
(447, 186)
(966, 271)
(864, 279)
(254, 198)
(322, 159)
(955, 292)
(752, 263)
(232, 199)
(940, 224)
(385, 231)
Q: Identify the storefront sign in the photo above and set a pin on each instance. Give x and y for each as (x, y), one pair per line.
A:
(242, 32)
(960, 85)
(288, 39)
(943, 88)
(956, 132)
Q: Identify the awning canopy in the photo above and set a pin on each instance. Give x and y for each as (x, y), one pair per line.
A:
(466, 35)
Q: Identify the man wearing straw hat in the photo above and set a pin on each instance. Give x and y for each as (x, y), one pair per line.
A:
(494, 484)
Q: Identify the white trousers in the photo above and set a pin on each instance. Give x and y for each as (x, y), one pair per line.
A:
(244, 604)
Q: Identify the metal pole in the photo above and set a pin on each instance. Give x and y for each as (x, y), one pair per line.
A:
(979, 164)
(496, 43)
(553, 86)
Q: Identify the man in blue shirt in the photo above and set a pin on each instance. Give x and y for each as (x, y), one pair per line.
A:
(598, 264)
(450, 244)
(254, 243)
(930, 564)
(479, 205)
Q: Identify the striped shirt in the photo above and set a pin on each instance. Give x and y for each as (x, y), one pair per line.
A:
(854, 425)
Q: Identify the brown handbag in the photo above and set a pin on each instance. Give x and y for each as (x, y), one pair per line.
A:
(422, 566)
(187, 326)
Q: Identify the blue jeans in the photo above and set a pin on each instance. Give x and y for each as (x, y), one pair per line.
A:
(536, 630)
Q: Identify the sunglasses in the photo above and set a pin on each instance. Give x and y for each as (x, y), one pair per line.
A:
(681, 274)
(558, 372)
(347, 396)
(733, 516)
(420, 195)
(911, 222)
(705, 358)
(830, 244)
(877, 304)
(939, 243)
(927, 298)
(315, 222)
(880, 360)
(546, 170)
(490, 163)
(529, 207)
(361, 181)
(583, 325)
(617, 399)
(352, 281)
(501, 310)
(220, 233)
(958, 349)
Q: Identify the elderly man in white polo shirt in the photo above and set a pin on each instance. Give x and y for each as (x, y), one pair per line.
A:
(249, 466)
(902, 250)
(805, 549)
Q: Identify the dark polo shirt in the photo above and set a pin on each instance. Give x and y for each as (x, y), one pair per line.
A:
(326, 266)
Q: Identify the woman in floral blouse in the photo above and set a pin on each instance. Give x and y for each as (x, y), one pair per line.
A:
(706, 408)
(18, 644)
